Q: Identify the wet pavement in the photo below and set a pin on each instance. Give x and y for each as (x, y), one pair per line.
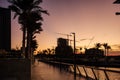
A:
(43, 71)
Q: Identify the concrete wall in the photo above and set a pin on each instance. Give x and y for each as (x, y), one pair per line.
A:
(15, 69)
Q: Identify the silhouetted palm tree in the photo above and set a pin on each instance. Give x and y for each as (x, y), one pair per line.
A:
(34, 45)
(29, 13)
(49, 51)
(97, 45)
(107, 47)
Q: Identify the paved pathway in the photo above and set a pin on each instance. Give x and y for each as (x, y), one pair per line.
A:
(42, 71)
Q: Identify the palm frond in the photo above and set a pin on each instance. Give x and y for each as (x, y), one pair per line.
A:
(28, 1)
(15, 15)
(33, 37)
(25, 4)
(36, 8)
(37, 2)
(40, 10)
(36, 16)
(14, 9)
(14, 2)
(37, 28)
(45, 12)
(11, 1)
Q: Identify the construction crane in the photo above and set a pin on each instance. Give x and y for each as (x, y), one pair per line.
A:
(69, 40)
(91, 39)
(65, 35)
(90, 42)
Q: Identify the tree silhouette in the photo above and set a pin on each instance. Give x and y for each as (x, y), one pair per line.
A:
(97, 45)
(34, 44)
(29, 16)
(107, 47)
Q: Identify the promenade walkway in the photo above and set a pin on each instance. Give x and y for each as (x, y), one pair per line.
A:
(43, 71)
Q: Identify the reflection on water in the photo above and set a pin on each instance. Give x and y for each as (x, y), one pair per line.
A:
(42, 71)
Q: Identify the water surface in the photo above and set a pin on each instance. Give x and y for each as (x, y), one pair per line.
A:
(43, 71)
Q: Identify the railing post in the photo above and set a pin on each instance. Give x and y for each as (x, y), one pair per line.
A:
(85, 71)
(106, 75)
(74, 59)
(94, 74)
(78, 70)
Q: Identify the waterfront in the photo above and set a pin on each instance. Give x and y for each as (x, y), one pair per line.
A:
(43, 71)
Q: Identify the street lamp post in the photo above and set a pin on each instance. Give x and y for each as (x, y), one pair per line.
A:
(74, 56)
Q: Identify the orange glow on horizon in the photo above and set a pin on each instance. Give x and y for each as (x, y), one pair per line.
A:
(87, 18)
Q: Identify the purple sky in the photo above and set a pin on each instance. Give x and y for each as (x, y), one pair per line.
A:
(87, 18)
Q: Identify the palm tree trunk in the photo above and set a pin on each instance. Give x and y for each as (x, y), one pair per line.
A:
(105, 51)
(23, 42)
(29, 38)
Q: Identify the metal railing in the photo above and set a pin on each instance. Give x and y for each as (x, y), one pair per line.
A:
(95, 73)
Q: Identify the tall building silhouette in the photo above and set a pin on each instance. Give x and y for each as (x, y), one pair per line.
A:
(5, 29)
(63, 49)
(62, 42)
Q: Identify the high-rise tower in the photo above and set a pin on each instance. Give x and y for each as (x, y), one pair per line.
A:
(5, 29)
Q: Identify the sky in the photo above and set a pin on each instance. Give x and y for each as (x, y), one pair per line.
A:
(92, 20)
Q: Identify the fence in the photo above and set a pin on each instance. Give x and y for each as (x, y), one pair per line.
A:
(95, 73)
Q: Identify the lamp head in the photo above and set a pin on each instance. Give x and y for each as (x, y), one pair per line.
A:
(117, 13)
(116, 2)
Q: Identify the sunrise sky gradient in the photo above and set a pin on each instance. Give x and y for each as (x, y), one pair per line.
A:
(87, 18)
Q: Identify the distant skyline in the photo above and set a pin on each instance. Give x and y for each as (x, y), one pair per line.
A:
(87, 18)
